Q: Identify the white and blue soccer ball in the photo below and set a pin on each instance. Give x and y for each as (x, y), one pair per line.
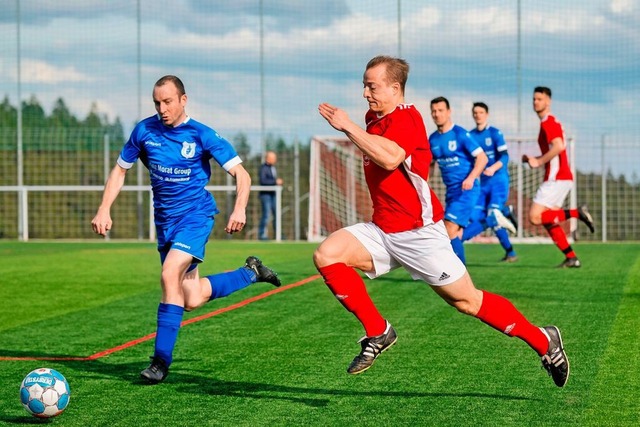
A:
(44, 393)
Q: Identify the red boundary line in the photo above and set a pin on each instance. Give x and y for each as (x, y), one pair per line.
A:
(137, 341)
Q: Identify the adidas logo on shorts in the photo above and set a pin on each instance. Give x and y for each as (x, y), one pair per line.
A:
(443, 276)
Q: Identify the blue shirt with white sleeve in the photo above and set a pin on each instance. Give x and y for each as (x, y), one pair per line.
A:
(455, 152)
(178, 162)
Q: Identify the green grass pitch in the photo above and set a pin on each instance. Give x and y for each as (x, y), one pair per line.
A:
(281, 359)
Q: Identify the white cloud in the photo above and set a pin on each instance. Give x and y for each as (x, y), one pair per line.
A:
(622, 6)
(562, 23)
(424, 18)
(488, 21)
(38, 71)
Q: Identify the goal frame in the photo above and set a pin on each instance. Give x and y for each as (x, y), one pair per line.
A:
(345, 203)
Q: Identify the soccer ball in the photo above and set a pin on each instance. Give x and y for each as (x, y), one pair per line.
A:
(44, 393)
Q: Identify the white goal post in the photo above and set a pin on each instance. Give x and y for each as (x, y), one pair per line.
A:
(338, 194)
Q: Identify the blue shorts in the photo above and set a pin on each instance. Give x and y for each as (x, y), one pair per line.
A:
(493, 195)
(459, 205)
(188, 234)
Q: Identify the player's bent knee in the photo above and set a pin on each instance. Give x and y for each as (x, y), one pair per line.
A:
(466, 307)
(190, 307)
(323, 257)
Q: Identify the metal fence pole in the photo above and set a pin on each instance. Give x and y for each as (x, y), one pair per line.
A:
(296, 189)
(520, 187)
(573, 198)
(603, 226)
(105, 157)
(22, 226)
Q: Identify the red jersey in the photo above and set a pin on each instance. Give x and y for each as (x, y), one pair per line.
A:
(558, 168)
(402, 199)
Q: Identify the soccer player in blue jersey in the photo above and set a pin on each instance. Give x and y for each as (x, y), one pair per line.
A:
(176, 150)
(461, 161)
(490, 209)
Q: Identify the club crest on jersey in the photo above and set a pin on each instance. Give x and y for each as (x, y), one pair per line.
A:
(488, 141)
(188, 149)
(453, 145)
(365, 160)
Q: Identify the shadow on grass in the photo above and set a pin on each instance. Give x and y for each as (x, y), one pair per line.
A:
(202, 384)
(310, 396)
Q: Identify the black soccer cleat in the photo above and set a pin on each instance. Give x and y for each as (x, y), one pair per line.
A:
(570, 263)
(156, 372)
(585, 216)
(555, 361)
(263, 273)
(511, 216)
(371, 349)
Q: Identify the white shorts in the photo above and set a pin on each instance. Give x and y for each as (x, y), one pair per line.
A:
(552, 194)
(425, 252)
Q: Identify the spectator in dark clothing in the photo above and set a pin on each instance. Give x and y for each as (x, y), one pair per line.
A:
(268, 176)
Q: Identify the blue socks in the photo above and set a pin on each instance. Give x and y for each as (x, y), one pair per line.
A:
(503, 238)
(169, 319)
(170, 315)
(458, 248)
(223, 284)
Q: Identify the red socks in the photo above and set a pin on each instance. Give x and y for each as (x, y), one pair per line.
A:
(560, 239)
(499, 313)
(550, 221)
(349, 288)
(496, 311)
(557, 216)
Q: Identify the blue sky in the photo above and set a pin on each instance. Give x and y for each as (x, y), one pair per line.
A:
(85, 51)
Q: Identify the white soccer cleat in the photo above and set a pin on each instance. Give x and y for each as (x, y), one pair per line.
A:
(503, 221)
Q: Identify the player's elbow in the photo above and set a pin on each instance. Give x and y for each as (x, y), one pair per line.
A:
(392, 161)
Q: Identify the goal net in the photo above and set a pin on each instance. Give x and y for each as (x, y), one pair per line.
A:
(338, 194)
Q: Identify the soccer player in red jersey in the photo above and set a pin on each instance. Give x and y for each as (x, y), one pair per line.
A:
(407, 228)
(546, 209)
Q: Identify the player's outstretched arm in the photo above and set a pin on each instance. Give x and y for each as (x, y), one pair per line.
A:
(101, 223)
(238, 217)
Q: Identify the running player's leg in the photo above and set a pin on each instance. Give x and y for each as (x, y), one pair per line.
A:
(459, 207)
(438, 266)
(181, 246)
(336, 259)
(478, 221)
(358, 246)
(498, 196)
(549, 198)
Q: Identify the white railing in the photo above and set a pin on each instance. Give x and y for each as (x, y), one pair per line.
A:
(24, 190)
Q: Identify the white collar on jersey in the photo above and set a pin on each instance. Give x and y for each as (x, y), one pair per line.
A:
(187, 118)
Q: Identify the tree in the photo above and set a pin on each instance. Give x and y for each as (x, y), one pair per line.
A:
(8, 114)
(116, 130)
(32, 113)
(61, 117)
(241, 144)
(93, 119)
(276, 143)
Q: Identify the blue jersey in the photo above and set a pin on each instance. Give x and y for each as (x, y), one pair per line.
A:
(455, 153)
(178, 162)
(492, 142)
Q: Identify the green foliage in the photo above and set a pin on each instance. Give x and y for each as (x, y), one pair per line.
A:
(8, 114)
(281, 360)
(35, 117)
